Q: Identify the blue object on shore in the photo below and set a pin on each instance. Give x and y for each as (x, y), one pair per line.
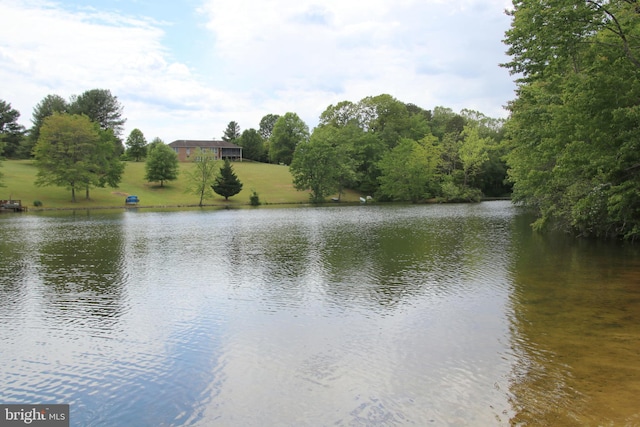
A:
(132, 200)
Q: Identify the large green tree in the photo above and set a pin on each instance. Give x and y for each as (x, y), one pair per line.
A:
(11, 132)
(227, 183)
(161, 164)
(409, 172)
(102, 107)
(136, 145)
(322, 164)
(266, 125)
(375, 125)
(72, 152)
(46, 107)
(573, 129)
(232, 132)
(288, 131)
(108, 168)
(202, 175)
(473, 152)
(252, 145)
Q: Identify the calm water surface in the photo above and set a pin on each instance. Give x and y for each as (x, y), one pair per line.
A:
(348, 316)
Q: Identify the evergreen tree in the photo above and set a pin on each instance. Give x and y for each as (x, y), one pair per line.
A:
(101, 107)
(227, 183)
(11, 132)
(232, 132)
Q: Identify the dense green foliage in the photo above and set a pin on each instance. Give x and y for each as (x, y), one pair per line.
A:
(266, 125)
(11, 132)
(288, 131)
(101, 107)
(227, 183)
(50, 104)
(162, 163)
(573, 132)
(74, 152)
(409, 171)
(321, 165)
(383, 147)
(252, 145)
(136, 145)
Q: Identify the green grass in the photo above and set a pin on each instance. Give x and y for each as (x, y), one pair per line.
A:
(273, 183)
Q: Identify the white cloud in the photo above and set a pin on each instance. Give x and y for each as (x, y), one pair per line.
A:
(266, 57)
(76, 51)
(419, 51)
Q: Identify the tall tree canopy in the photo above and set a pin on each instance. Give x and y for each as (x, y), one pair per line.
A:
(75, 153)
(371, 130)
(11, 132)
(409, 170)
(162, 163)
(101, 107)
(252, 145)
(573, 129)
(266, 125)
(50, 104)
(322, 165)
(288, 132)
(232, 132)
(136, 145)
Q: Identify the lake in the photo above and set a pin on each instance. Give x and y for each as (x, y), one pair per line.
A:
(373, 315)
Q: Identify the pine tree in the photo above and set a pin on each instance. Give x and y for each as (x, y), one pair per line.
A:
(227, 183)
(232, 132)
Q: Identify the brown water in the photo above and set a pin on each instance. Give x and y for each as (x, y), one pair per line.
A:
(364, 315)
(576, 333)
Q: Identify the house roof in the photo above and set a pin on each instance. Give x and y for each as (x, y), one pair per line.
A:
(190, 143)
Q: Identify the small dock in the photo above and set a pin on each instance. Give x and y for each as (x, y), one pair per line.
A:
(12, 206)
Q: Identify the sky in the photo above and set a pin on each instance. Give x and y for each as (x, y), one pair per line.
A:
(183, 69)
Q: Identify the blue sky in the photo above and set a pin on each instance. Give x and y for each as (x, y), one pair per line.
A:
(183, 69)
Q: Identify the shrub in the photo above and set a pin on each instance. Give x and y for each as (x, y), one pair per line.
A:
(254, 199)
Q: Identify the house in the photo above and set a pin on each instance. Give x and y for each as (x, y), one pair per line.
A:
(185, 149)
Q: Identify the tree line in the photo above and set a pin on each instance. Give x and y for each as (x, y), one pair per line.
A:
(379, 146)
(385, 148)
(573, 135)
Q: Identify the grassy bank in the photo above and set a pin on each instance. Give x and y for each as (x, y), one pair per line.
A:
(273, 184)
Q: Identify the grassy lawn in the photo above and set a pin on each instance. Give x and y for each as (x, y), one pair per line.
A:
(273, 183)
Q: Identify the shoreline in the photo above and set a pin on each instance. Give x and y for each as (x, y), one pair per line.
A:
(243, 205)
